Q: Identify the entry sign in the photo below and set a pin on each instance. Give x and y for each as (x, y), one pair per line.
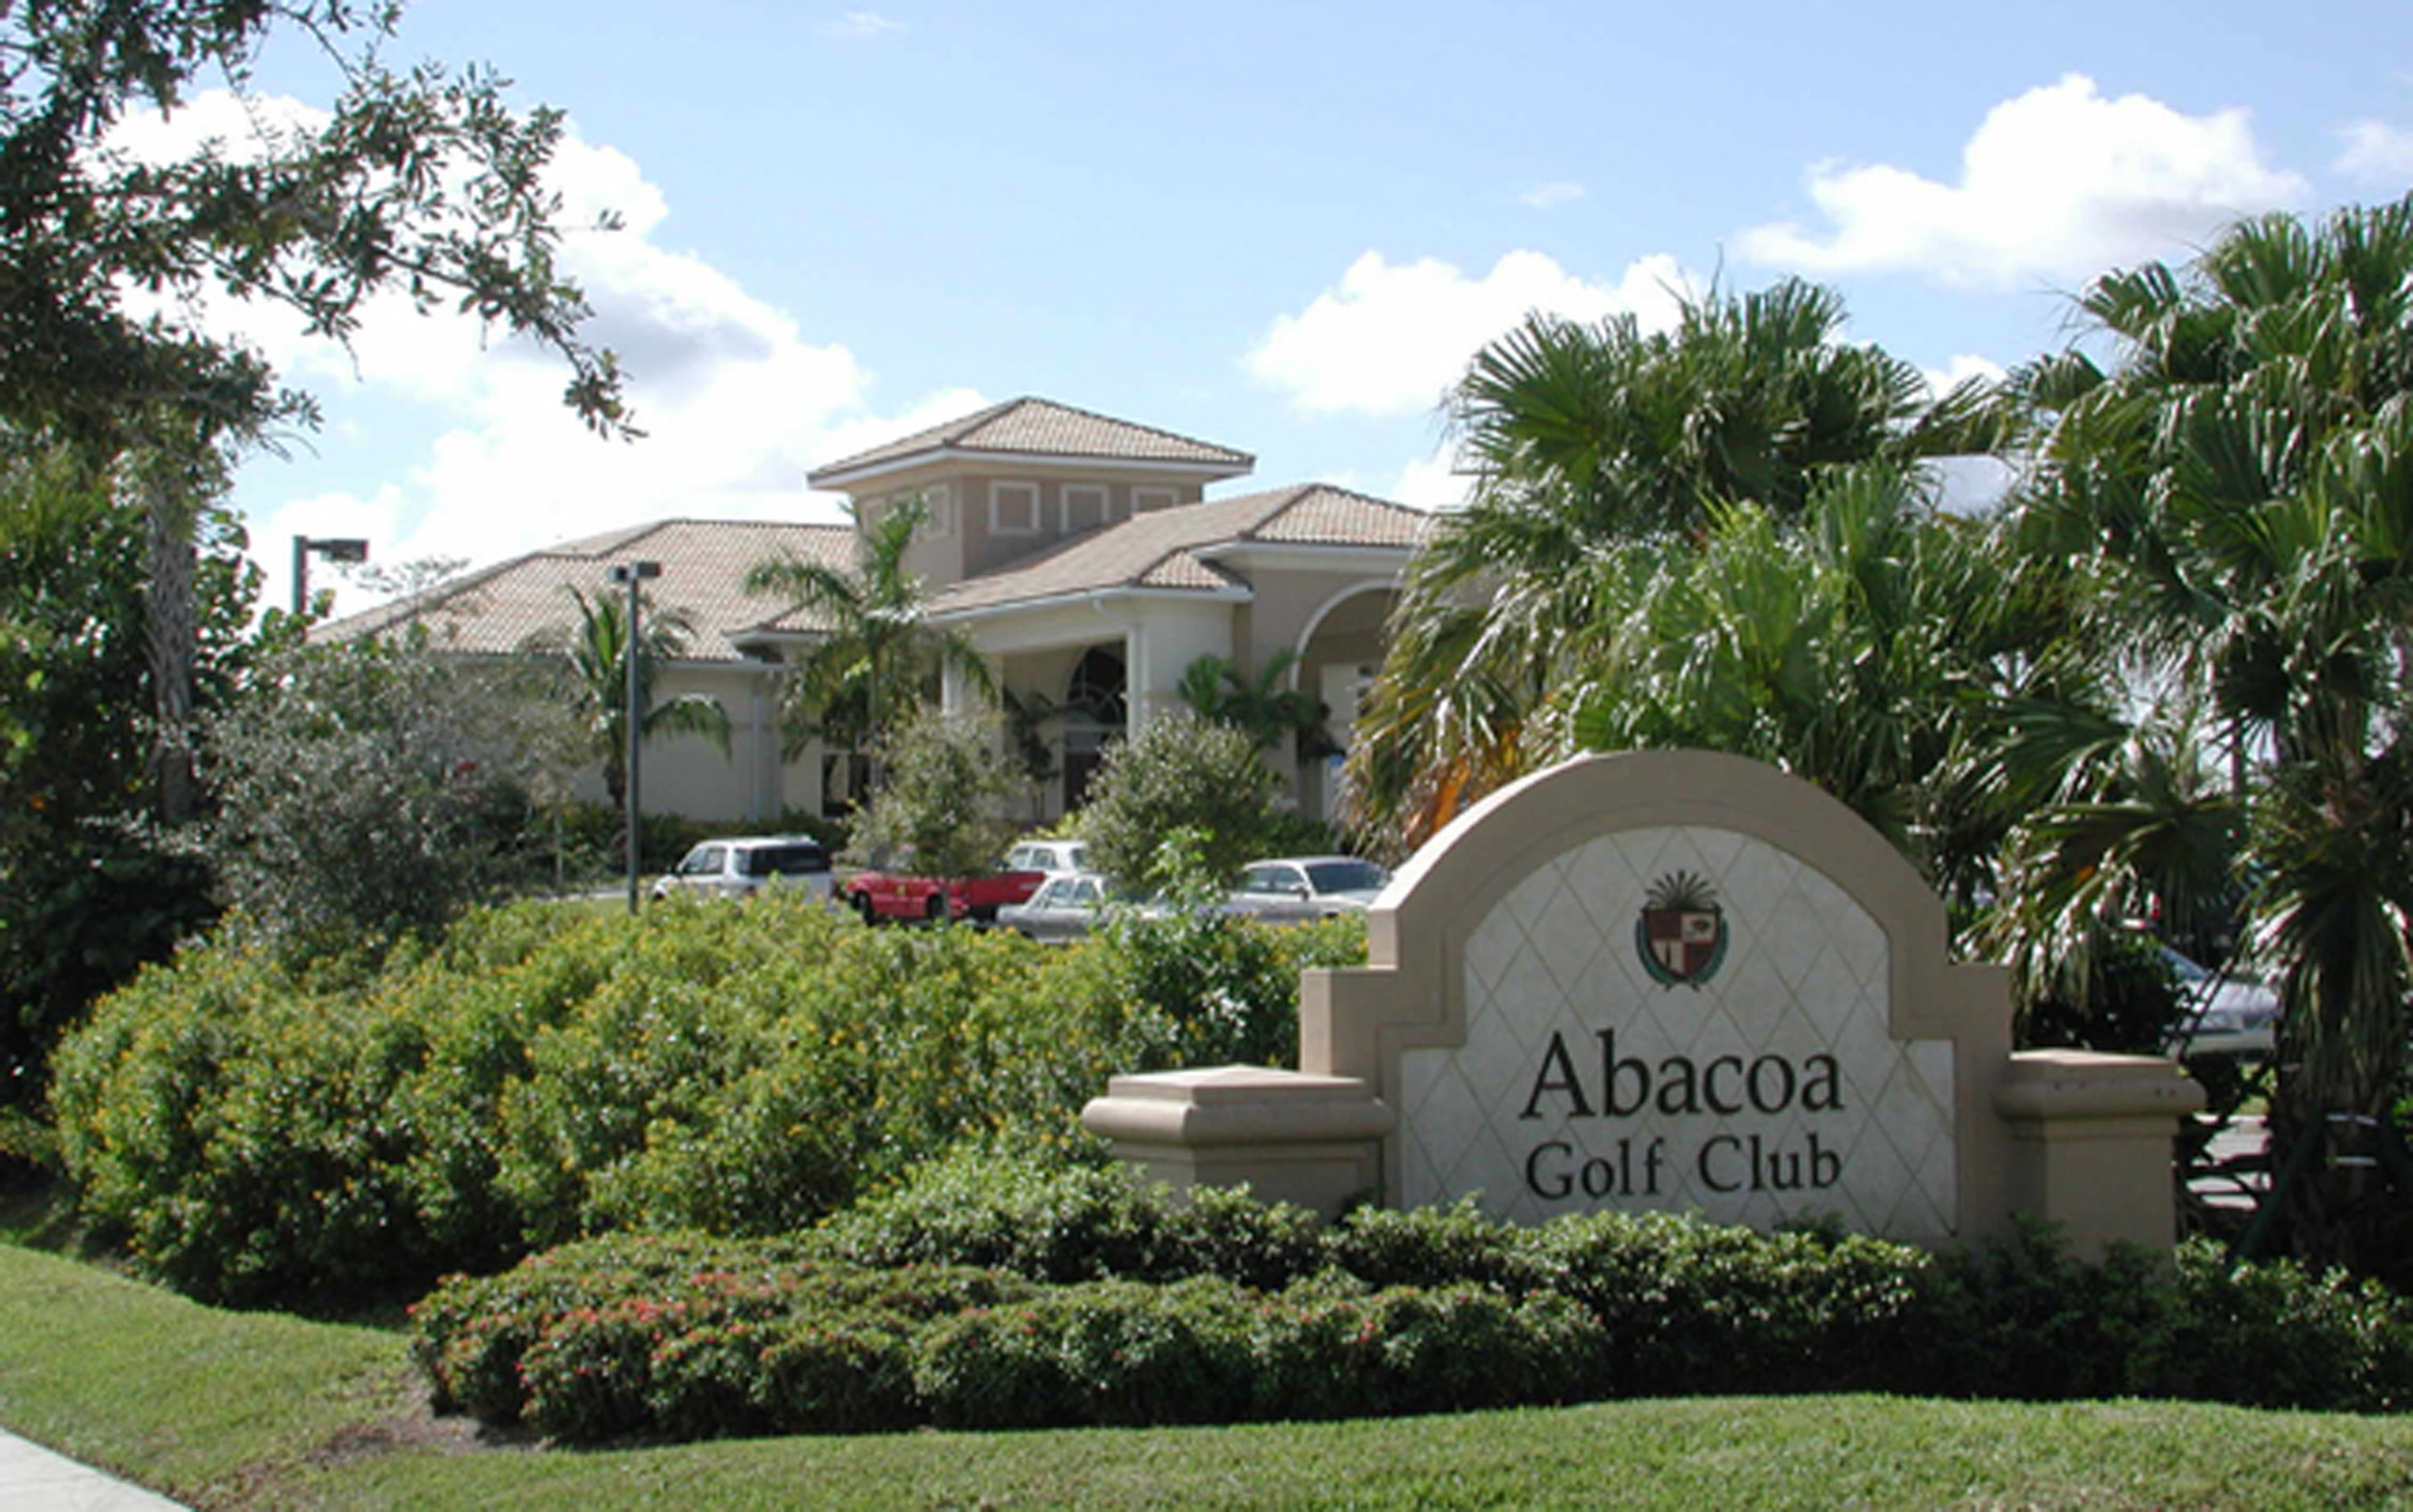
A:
(1682, 1018)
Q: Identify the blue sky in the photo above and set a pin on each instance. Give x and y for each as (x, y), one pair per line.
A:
(1278, 226)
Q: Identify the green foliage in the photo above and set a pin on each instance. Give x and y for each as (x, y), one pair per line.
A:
(1267, 712)
(991, 1293)
(373, 789)
(947, 781)
(1102, 1353)
(2229, 496)
(280, 1390)
(592, 658)
(2129, 1004)
(979, 1206)
(880, 657)
(423, 182)
(257, 1130)
(1603, 454)
(1180, 772)
(93, 889)
(1225, 988)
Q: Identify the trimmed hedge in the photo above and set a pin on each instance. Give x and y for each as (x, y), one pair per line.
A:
(545, 1074)
(996, 1294)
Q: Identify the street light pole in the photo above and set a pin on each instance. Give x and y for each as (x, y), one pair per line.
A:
(339, 548)
(633, 573)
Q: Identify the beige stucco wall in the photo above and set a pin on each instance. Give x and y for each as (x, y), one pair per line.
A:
(970, 547)
(688, 775)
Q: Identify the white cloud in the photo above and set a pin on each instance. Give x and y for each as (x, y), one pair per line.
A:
(2373, 151)
(1433, 483)
(1958, 370)
(863, 25)
(1550, 196)
(1391, 336)
(2059, 183)
(736, 403)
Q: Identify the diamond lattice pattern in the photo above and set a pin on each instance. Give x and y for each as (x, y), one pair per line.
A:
(1805, 974)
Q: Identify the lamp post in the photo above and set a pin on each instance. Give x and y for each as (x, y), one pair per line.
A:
(633, 573)
(337, 548)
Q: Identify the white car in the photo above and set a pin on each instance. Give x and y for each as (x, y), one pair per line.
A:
(742, 866)
(1053, 857)
(1289, 889)
(2221, 1015)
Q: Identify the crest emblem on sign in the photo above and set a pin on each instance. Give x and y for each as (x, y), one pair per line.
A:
(1681, 933)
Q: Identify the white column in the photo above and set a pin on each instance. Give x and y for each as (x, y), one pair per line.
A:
(1160, 648)
(769, 794)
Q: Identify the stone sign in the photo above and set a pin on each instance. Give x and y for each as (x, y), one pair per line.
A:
(1681, 981)
(1682, 1018)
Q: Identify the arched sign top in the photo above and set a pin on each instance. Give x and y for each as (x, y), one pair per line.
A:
(1673, 979)
(1457, 876)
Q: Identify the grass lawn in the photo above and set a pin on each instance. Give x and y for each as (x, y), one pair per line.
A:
(244, 1410)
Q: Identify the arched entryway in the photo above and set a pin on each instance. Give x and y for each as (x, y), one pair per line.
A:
(1095, 712)
(1339, 651)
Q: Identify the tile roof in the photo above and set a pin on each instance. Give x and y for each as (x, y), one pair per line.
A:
(705, 563)
(1038, 427)
(1171, 548)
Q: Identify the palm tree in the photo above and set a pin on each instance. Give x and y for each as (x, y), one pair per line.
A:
(2240, 481)
(1589, 443)
(596, 653)
(1270, 713)
(880, 657)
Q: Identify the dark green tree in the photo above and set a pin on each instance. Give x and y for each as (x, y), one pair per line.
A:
(425, 181)
(1180, 774)
(371, 789)
(94, 889)
(950, 783)
(1270, 713)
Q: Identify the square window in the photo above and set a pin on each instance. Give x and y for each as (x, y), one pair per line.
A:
(1147, 499)
(1014, 509)
(1084, 508)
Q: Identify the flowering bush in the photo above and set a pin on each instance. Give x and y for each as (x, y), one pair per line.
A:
(1073, 1297)
(541, 1074)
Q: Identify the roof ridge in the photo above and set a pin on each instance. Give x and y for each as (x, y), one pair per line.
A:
(1115, 420)
(1035, 426)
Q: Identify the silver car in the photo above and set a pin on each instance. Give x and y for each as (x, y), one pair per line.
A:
(1062, 910)
(2221, 1015)
(741, 866)
(1289, 889)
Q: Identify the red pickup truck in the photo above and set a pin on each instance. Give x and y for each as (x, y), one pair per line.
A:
(888, 894)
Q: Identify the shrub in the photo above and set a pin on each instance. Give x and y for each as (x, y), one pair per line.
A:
(1692, 1308)
(976, 1208)
(1180, 772)
(695, 1336)
(2274, 1336)
(1039, 1218)
(1433, 1246)
(372, 788)
(1104, 1352)
(1225, 989)
(945, 780)
(621, 1331)
(541, 1074)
